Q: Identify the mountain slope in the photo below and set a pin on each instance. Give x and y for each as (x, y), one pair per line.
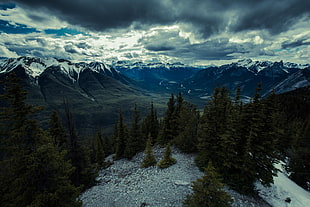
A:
(95, 92)
(273, 75)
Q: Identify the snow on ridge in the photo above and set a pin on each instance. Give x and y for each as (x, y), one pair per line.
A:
(284, 192)
(35, 66)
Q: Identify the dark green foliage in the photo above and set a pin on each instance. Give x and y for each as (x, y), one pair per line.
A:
(100, 155)
(121, 135)
(79, 154)
(149, 158)
(150, 124)
(167, 131)
(239, 140)
(135, 142)
(188, 121)
(57, 132)
(299, 157)
(33, 169)
(208, 191)
(167, 161)
(213, 124)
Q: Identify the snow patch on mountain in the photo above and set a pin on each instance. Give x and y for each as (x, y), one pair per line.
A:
(284, 192)
(36, 66)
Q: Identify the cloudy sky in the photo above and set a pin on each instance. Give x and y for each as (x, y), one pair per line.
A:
(188, 31)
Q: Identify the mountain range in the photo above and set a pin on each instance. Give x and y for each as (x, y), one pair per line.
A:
(97, 91)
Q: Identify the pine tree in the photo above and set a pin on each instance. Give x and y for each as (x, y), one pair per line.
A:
(188, 121)
(149, 158)
(25, 178)
(167, 131)
(213, 124)
(84, 174)
(135, 142)
(299, 157)
(52, 183)
(208, 191)
(167, 161)
(100, 155)
(150, 124)
(255, 145)
(121, 137)
(57, 132)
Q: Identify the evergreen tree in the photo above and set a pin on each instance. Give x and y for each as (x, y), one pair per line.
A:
(51, 181)
(208, 191)
(299, 157)
(188, 121)
(167, 161)
(176, 128)
(135, 142)
(256, 150)
(121, 136)
(263, 139)
(25, 177)
(167, 131)
(213, 124)
(100, 155)
(150, 124)
(84, 174)
(57, 131)
(149, 158)
(108, 147)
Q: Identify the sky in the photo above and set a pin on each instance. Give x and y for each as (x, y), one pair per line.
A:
(197, 32)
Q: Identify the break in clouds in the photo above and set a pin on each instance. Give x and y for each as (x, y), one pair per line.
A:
(189, 30)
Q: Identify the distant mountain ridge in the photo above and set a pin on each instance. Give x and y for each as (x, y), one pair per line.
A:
(98, 91)
(247, 73)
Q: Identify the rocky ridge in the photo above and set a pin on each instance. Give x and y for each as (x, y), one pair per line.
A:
(125, 183)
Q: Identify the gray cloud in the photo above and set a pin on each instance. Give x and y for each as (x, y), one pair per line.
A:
(275, 16)
(210, 17)
(295, 43)
(83, 45)
(170, 43)
(71, 48)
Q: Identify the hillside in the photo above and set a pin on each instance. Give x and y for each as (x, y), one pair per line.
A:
(125, 183)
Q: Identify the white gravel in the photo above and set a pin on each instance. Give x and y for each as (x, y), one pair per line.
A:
(126, 184)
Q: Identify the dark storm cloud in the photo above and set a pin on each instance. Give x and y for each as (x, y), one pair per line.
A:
(275, 16)
(208, 16)
(212, 50)
(182, 48)
(295, 43)
(107, 14)
(156, 48)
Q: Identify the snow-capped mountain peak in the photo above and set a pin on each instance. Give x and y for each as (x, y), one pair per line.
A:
(34, 66)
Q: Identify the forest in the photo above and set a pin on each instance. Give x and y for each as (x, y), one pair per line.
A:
(235, 143)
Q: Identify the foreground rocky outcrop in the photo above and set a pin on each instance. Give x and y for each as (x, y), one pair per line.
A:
(126, 184)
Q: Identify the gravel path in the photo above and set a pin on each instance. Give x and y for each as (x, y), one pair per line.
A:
(125, 184)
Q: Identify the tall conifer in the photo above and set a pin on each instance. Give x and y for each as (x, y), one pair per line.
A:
(121, 137)
(135, 142)
(25, 177)
(208, 191)
(149, 159)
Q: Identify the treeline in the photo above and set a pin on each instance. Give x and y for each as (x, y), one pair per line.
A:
(241, 142)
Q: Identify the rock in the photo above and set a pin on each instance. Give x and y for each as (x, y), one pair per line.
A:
(181, 182)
